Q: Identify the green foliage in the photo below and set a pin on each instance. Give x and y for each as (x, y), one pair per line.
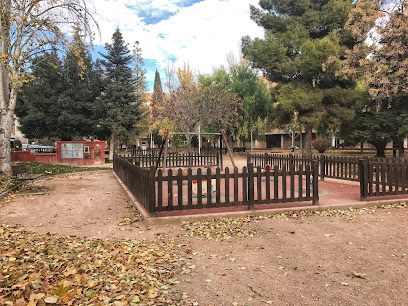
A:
(59, 102)
(377, 124)
(321, 145)
(302, 40)
(254, 94)
(119, 107)
(158, 94)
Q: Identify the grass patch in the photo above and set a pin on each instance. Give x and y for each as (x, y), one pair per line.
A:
(50, 169)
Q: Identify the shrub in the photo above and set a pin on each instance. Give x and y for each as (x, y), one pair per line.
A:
(321, 145)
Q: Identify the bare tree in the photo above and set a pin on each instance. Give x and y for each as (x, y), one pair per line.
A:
(29, 28)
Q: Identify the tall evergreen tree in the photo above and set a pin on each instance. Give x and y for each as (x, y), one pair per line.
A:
(119, 102)
(158, 94)
(38, 107)
(301, 39)
(83, 86)
(68, 90)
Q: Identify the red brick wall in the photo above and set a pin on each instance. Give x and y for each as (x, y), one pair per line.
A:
(95, 155)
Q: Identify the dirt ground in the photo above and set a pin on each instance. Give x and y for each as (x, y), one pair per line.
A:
(355, 258)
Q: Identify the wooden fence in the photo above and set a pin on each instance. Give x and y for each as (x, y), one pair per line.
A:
(340, 167)
(175, 159)
(208, 189)
(383, 177)
(252, 186)
(377, 176)
(139, 180)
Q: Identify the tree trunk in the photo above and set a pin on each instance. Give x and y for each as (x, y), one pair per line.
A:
(380, 149)
(189, 142)
(111, 147)
(401, 149)
(6, 122)
(307, 145)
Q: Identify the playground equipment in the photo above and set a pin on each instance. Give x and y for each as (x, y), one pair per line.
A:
(165, 142)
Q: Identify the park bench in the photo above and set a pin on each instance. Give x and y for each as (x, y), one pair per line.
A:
(20, 172)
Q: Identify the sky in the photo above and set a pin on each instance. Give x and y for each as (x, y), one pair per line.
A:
(198, 32)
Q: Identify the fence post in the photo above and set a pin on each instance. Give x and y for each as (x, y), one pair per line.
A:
(250, 186)
(315, 171)
(363, 175)
(322, 167)
(152, 191)
(290, 161)
(220, 162)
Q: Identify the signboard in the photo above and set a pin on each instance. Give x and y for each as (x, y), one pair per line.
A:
(72, 150)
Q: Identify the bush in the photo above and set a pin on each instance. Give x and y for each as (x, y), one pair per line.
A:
(321, 145)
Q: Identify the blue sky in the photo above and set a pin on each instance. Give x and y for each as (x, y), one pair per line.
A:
(198, 32)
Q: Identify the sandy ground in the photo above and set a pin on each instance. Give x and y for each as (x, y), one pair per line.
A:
(302, 261)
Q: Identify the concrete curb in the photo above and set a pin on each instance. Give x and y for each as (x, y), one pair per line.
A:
(145, 214)
(149, 220)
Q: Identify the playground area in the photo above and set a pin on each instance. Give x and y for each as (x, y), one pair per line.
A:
(185, 191)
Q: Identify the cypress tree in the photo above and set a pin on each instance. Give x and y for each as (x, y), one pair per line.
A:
(158, 94)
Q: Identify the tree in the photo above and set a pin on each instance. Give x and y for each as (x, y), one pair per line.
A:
(213, 108)
(300, 39)
(38, 106)
(378, 123)
(59, 102)
(83, 86)
(139, 72)
(119, 102)
(380, 55)
(29, 28)
(185, 76)
(256, 100)
(158, 95)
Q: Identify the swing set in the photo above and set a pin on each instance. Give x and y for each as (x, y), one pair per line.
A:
(164, 146)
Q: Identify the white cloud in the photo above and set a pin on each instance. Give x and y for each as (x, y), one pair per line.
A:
(201, 34)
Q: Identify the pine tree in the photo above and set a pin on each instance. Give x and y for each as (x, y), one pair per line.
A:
(38, 107)
(301, 40)
(59, 102)
(82, 87)
(119, 101)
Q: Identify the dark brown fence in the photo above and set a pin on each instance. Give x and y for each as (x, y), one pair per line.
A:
(381, 177)
(139, 180)
(188, 190)
(175, 159)
(377, 176)
(207, 189)
(345, 168)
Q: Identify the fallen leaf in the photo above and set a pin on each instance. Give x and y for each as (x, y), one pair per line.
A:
(359, 275)
(51, 299)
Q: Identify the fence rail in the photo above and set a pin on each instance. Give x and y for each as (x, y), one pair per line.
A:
(176, 159)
